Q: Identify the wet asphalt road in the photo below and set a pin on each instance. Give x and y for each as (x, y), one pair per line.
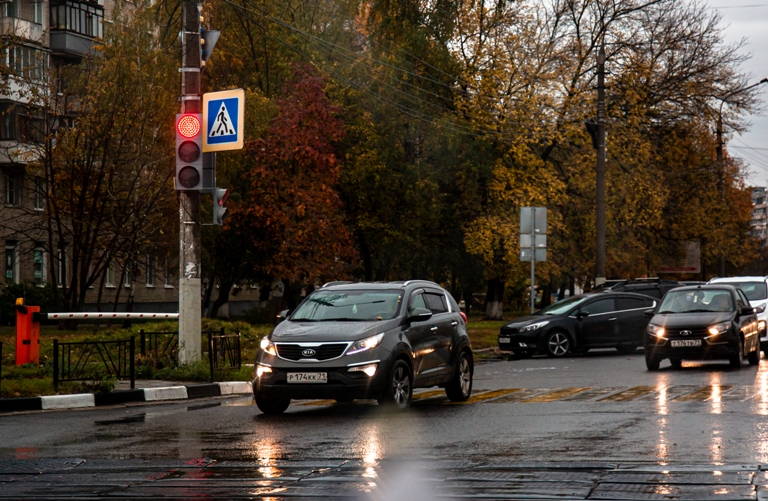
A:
(597, 426)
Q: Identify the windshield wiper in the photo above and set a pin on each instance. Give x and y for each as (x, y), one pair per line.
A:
(305, 320)
(700, 311)
(666, 311)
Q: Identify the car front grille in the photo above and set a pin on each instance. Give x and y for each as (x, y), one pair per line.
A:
(322, 352)
(695, 332)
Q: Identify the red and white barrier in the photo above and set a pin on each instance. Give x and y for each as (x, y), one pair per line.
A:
(116, 316)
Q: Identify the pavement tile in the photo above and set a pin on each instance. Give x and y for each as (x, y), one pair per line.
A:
(706, 478)
(526, 476)
(673, 492)
(514, 490)
(34, 466)
(550, 466)
(674, 468)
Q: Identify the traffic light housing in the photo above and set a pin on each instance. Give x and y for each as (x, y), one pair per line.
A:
(189, 152)
(220, 196)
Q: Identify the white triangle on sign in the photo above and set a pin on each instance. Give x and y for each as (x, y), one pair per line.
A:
(222, 124)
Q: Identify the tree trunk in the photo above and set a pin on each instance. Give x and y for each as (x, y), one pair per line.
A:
(561, 291)
(494, 300)
(223, 297)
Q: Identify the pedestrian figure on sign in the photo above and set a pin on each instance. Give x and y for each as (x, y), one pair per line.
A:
(222, 120)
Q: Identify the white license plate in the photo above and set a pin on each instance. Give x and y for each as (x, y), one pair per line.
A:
(504, 340)
(307, 377)
(686, 343)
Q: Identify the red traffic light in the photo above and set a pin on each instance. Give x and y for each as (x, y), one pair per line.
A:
(188, 126)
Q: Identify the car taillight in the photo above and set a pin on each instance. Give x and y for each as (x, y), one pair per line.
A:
(463, 317)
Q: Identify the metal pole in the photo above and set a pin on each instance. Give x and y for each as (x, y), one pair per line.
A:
(210, 354)
(720, 180)
(189, 201)
(143, 343)
(533, 259)
(132, 362)
(55, 363)
(600, 183)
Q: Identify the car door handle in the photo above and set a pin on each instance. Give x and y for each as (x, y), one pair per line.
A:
(454, 323)
(433, 328)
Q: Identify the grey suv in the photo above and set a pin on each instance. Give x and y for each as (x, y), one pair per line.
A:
(366, 340)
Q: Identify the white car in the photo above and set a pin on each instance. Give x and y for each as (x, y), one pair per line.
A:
(756, 289)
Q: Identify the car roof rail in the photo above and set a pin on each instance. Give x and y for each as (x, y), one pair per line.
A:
(338, 282)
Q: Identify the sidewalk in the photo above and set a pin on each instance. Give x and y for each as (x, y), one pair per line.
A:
(145, 391)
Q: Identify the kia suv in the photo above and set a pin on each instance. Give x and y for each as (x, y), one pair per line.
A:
(349, 341)
(756, 290)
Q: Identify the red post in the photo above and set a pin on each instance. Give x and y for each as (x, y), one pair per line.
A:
(27, 335)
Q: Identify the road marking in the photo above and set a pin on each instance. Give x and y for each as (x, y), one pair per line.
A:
(630, 394)
(520, 394)
(427, 394)
(486, 395)
(554, 395)
(705, 393)
(594, 393)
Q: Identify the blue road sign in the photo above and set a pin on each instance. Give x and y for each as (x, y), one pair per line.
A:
(223, 118)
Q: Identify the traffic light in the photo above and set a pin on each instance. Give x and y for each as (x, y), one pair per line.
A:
(220, 196)
(189, 152)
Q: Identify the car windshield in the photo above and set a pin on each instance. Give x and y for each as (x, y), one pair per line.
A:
(563, 306)
(697, 300)
(754, 290)
(353, 306)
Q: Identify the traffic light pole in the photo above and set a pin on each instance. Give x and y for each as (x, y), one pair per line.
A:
(600, 181)
(190, 286)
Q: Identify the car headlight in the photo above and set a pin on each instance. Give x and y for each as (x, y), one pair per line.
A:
(365, 344)
(268, 346)
(720, 328)
(760, 309)
(656, 330)
(533, 327)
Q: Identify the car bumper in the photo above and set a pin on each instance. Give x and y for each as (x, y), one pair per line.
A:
(705, 352)
(518, 342)
(341, 384)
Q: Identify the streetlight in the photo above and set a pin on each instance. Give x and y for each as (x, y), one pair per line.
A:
(719, 151)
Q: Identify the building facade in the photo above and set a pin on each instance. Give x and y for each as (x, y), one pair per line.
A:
(759, 220)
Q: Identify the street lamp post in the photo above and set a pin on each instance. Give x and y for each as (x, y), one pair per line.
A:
(719, 154)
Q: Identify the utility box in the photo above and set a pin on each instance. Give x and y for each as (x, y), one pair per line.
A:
(27, 334)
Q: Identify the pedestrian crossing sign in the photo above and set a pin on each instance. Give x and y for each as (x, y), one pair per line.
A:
(223, 118)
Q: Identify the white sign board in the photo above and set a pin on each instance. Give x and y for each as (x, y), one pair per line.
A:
(223, 119)
(687, 261)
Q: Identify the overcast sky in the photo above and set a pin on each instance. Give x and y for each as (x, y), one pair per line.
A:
(749, 19)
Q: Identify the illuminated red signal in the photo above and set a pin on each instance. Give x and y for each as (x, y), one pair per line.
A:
(188, 126)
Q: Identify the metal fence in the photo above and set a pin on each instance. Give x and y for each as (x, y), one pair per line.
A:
(89, 360)
(158, 344)
(223, 351)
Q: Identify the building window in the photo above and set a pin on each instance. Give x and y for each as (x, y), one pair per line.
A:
(37, 12)
(12, 189)
(11, 262)
(61, 255)
(168, 277)
(109, 280)
(39, 193)
(150, 271)
(128, 274)
(11, 9)
(27, 62)
(83, 18)
(39, 266)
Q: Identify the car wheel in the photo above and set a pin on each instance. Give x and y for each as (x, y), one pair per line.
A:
(558, 344)
(737, 359)
(398, 388)
(627, 349)
(754, 357)
(271, 406)
(651, 362)
(460, 387)
(676, 362)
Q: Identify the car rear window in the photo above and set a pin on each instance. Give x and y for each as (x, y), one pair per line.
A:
(633, 303)
(435, 302)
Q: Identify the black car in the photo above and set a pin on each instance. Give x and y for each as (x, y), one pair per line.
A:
(703, 322)
(366, 340)
(581, 322)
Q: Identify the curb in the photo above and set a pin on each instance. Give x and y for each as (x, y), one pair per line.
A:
(82, 400)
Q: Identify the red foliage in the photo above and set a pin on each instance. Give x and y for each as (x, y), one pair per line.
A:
(293, 208)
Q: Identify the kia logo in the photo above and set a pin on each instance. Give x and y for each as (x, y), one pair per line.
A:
(309, 352)
(685, 333)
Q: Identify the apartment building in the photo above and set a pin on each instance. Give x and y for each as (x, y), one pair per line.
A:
(759, 221)
(41, 37)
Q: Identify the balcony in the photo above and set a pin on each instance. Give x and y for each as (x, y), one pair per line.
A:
(22, 28)
(70, 44)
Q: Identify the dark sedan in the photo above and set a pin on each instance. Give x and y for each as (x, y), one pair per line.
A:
(597, 320)
(703, 322)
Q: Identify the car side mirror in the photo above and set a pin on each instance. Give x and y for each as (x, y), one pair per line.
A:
(582, 314)
(747, 310)
(283, 315)
(648, 313)
(419, 315)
